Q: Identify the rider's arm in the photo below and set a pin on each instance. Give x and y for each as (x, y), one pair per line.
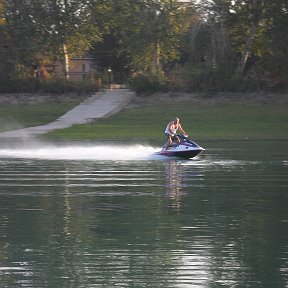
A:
(181, 130)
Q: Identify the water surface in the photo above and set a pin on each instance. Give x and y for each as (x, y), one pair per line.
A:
(80, 216)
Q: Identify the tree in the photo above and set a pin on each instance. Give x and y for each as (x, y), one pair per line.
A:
(251, 13)
(70, 27)
(150, 31)
(16, 33)
(53, 29)
(240, 22)
(3, 40)
(273, 64)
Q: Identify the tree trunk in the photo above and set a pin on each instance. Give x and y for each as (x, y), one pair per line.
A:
(245, 54)
(156, 65)
(66, 61)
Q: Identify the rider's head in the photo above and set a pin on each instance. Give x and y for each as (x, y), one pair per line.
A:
(176, 120)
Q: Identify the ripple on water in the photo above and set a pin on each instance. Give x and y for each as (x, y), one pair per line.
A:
(207, 222)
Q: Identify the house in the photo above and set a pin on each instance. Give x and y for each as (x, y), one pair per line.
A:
(80, 68)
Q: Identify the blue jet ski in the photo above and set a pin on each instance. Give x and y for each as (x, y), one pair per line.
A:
(185, 149)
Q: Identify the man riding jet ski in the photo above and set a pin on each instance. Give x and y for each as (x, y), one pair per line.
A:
(179, 145)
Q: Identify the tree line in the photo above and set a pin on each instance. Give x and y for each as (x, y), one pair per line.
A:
(219, 45)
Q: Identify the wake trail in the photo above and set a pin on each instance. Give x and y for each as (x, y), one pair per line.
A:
(130, 152)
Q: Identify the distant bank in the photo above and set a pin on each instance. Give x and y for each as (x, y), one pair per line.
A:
(228, 116)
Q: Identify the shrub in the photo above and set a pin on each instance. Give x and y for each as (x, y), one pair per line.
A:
(144, 84)
(56, 85)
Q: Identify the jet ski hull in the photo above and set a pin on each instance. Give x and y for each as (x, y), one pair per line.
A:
(180, 154)
(185, 149)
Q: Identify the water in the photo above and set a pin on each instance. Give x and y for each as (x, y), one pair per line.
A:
(79, 216)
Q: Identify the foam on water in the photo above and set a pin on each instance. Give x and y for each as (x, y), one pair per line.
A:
(219, 162)
(95, 152)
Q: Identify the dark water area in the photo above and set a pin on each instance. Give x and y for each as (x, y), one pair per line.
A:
(220, 220)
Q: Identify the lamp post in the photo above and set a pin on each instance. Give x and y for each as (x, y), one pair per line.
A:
(109, 77)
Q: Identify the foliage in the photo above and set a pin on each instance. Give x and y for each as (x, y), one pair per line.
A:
(221, 45)
(54, 85)
(38, 32)
(148, 84)
(150, 32)
(190, 45)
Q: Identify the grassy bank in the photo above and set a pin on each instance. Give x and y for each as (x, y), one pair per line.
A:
(18, 116)
(200, 121)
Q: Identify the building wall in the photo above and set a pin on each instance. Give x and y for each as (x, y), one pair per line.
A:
(80, 68)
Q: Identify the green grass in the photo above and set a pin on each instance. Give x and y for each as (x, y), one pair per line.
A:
(19, 116)
(200, 121)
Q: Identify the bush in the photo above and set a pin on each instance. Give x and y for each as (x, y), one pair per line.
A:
(57, 86)
(222, 79)
(143, 84)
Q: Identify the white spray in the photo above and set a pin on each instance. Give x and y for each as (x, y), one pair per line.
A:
(93, 152)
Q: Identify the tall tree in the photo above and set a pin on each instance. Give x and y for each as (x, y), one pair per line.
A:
(274, 61)
(18, 31)
(55, 29)
(251, 13)
(70, 26)
(243, 22)
(150, 31)
(208, 39)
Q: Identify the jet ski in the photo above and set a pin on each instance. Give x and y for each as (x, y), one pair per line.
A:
(185, 149)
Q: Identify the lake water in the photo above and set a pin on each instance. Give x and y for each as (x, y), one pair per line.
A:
(86, 216)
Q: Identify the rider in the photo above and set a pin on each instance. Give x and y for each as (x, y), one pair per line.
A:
(171, 130)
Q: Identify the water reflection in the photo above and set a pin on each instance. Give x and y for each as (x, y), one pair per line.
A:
(173, 184)
(67, 203)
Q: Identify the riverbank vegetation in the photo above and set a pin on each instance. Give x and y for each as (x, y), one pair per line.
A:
(157, 45)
